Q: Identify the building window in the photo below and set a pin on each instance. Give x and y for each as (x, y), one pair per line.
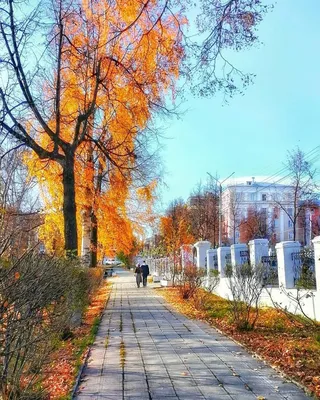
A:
(290, 235)
(264, 197)
(290, 224)
(252, 197)
(238, 197)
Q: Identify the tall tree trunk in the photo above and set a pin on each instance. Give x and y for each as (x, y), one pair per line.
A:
(94, 220)
(69, 207)
(94, 240)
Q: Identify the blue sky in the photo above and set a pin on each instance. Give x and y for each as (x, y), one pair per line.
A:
(251, 135)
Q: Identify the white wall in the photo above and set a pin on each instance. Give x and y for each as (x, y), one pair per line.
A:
(310, 299)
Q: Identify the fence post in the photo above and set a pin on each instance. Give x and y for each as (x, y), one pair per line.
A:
(258, 248)
(202, 248)
(222, 252)
(316, 246)
(286, 263)
(239, 254)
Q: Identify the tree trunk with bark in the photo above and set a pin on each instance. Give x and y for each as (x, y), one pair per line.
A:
(69, 207)
(94, 221)
(94, 240)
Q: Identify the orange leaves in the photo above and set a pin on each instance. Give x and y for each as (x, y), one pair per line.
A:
(129, 10)
(118, 59)
(175, 227)
(147, 192)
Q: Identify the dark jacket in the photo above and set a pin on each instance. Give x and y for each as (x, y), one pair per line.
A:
(138, 270)
(145, 270)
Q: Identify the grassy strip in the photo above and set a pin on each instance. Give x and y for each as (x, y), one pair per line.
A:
(288, 344)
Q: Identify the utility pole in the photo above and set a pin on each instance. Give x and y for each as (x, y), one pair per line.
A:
(220, 203)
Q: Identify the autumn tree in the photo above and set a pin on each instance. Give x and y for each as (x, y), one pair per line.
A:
(254, 225)
(204, 213)
(175, 227)
(97, 77)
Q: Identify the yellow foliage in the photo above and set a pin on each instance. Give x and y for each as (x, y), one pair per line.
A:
(139, 51)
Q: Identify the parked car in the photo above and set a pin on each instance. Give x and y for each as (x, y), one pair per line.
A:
(111, 261)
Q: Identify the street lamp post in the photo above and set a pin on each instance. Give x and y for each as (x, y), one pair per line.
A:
(220, 204)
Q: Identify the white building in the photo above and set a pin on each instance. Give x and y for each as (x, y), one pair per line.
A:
(263, 199)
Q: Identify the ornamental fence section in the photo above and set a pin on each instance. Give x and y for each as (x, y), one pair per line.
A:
(304, 269)
(289, 270)
(270, 266)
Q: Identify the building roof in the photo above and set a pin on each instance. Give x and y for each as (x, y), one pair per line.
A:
(259, 184)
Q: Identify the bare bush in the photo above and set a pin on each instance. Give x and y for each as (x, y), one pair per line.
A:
(38, 298)
(191, 279)
(19, 217)
(246, 284)
(297, 298)
(303, 291)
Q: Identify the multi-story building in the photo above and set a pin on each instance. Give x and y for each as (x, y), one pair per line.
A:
(267, 206)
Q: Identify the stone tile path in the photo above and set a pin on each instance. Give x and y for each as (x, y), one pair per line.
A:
(145, 351)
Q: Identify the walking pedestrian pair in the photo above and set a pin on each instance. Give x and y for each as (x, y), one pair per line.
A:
(142, 272)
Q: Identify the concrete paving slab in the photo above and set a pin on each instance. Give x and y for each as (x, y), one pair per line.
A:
(155, 353)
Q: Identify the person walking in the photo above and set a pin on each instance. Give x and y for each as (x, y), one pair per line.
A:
(138, 272)
(145, 273)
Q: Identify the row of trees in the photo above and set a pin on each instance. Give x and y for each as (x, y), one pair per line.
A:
(198, 218)
(187, 222)
(80, 82)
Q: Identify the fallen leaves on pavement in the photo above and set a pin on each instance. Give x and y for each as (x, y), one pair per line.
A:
(291, 347)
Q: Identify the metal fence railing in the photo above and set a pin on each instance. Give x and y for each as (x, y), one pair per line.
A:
(270, 265)
(304, 269)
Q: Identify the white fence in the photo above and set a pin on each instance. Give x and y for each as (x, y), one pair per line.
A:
(286, 269)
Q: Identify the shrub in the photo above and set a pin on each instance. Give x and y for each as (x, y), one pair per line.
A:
(39, 297)
(190, 279)
(246, 284)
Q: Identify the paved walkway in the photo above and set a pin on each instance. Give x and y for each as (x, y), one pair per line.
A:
(145, 351)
